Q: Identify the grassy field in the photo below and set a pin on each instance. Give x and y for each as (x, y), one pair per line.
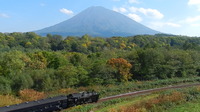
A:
(125, 102)
(187, 107)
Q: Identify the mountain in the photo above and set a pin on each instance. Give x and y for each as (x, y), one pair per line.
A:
(98, 21)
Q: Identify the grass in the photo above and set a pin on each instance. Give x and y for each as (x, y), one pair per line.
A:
(8, 100)
(187, 107)
(141, 85)
(111, 104)
(124, 103)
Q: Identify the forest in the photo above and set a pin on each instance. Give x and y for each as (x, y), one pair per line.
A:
(30, 61)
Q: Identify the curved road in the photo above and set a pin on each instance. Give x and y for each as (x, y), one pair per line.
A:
(147, 91)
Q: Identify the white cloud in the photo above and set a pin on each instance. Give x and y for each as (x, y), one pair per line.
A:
(121, 10)
(172, 24)
(133, 1)
(152, 13)
(195, 25)
(133, 9)
(127, 13)
(66, 11)
(158, 25)
(42, 4)
(3, 15)
(135, 17)
(194, 2)
(193, 19)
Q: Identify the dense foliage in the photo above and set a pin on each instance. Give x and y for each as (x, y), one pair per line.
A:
(29, 61)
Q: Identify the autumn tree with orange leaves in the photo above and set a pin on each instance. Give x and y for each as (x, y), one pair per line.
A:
(122, 67)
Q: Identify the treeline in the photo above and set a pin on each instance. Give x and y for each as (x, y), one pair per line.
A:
(87, 44)
(29, 61)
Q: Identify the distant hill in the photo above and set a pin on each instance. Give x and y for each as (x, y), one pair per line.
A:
(98, 21)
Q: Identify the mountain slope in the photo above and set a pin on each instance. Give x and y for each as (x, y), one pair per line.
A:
(98, 21)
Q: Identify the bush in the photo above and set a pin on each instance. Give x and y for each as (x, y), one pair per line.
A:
(5, 85)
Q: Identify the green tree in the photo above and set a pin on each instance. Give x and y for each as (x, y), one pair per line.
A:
(67, 76)
(11, 62)
(150, 60)
(102, 73)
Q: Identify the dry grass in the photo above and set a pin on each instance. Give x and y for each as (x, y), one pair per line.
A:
(174, 97)
(8, 100)
(30, 95)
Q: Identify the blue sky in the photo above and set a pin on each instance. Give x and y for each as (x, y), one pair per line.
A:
(181, 17)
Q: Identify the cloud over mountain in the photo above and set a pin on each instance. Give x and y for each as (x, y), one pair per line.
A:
(135, 17)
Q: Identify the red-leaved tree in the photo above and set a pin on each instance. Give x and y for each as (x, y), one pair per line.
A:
(122, 67)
